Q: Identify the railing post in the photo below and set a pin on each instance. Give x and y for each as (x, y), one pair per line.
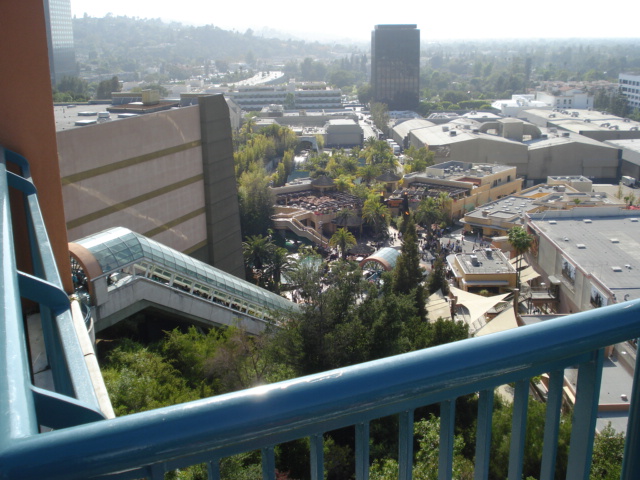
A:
(405, 450)
(447, 425)
(552, 425)
(317, 457)
(362, 451)
(213, 469)
(518, 429)
(268, 463)
(483, 435)
(631, 462)
(585, 412)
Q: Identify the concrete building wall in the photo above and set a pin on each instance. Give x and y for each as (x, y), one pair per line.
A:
(573, 158)
(167, 175)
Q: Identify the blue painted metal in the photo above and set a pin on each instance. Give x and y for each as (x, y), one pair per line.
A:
(268, 463)
(447, 436)
(151, 443)
(483, 435)
(317, 457)
(362, 451)
(74, 401)
(518, 429)
(631, 463)
(552, 425)
(585, 413)
(405, 449)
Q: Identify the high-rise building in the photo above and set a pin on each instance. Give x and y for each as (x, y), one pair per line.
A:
(395, 66)
(629, 84)
(62, 53)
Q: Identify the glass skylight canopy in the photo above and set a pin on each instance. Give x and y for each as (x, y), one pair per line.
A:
(119, 247)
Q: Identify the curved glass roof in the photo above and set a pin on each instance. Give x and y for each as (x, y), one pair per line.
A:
(388, 254)
(118, 247)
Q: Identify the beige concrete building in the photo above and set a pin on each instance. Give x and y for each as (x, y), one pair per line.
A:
(589, 253)
(596, 125)
(496, 218)
(468, 185)
(484, 269)
(538, 151)
(167, 175)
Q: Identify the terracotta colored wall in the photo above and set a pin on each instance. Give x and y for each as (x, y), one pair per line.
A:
(27, 123)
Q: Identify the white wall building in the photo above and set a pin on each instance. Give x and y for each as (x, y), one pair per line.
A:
(630, 87)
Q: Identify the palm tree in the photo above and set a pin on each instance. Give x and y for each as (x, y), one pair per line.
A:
(428, 213)
(368, 173)
(343, 239)
(445, 201)
(521, 242)
(257, 251)
(280, 262)
(376, 214)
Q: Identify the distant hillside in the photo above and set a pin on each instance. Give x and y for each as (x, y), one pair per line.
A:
(129, 43)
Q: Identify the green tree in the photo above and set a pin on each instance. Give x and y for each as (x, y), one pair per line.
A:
(343, 239)
(608, 452)
(106, 87)
(257, 251)
(255, 200)
(139, 379)
(380, 116)
(365, 93)
(521, 242)
(376, 214)
(425, 465)
(408, 274)
(437, 278)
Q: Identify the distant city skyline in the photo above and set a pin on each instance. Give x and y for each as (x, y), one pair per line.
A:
(333, 20)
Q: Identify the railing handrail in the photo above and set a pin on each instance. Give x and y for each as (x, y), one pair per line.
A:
(272, 414)
(74, 392)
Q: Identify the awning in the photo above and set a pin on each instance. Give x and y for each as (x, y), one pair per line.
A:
(505, 321)
(487, 283)
(477, 305)
(438, 306)
(528, 274)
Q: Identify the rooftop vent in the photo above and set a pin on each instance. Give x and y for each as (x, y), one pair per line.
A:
(566, 134)
(566, 239)
(453, 133)
(552, 222)
(581, 245)
(615, 240)
(587, 220)
(616, 269)
(474, 260)
(633, 219)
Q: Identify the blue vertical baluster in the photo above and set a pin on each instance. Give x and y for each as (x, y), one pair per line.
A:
(518, 429)
(268, 463)
(552, 425)
(483, 435)
(213, 469)
(317, 457)
(362, 451)
(447, 424)
(405, 450)
(631, 462)
(585, 412)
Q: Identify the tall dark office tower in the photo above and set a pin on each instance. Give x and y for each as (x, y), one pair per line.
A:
(62, 53)
(395, 66)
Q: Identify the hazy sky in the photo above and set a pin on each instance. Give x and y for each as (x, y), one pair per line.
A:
(437, 19)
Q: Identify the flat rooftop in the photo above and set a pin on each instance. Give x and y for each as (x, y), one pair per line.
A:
(507, 209)
(489, 261)
(603, 241)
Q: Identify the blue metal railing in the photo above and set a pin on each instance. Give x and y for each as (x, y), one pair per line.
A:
(205, 431)
(74, 400)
